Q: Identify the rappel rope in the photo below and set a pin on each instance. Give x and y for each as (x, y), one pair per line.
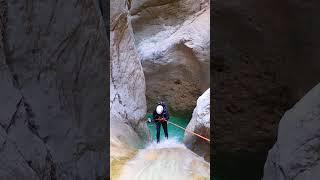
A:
(198, 135)
(188, 131)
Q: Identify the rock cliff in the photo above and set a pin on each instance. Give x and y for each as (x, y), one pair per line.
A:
(128, 129)
(295, 155)
(127, 83)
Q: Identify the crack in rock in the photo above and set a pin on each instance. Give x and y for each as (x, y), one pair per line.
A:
(14, 116)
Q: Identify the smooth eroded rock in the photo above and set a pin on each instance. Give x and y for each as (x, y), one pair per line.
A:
(200, 124)
(172, 38)
(295, 155)
(127, 86)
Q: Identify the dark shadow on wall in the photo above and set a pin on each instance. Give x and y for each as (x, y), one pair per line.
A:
(264, 60)
(240, 165)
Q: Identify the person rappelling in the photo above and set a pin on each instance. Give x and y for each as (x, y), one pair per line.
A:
(160, 117)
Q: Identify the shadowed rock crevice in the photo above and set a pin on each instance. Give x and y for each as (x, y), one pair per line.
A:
(265, 60)
(14, 116)
(104, 6)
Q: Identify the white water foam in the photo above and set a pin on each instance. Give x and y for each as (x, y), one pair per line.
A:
(166, 143)
(168, 159)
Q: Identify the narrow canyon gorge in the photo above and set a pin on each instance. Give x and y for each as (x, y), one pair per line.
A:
(160, 50)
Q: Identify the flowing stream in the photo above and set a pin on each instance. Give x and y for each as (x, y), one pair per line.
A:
(169, 159)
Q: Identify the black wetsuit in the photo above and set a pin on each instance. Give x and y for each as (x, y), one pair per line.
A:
(156, 116)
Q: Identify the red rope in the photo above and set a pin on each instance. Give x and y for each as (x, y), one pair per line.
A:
(198, 135)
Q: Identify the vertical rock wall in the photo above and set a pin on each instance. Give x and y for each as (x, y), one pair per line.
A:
(127, 89)
(127, 93)
(127, 83)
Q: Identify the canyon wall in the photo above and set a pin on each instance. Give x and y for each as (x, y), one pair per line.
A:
(127, 83)
(172, 38)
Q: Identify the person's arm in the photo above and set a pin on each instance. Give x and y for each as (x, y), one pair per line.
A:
(166, 114)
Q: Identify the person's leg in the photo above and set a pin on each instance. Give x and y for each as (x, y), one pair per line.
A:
(158, 125)
(165, 129)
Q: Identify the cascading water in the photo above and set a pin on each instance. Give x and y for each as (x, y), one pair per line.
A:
(169, 159)
(173, 131)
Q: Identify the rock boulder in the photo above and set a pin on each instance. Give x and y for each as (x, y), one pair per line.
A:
(200, 124)
(295, 155)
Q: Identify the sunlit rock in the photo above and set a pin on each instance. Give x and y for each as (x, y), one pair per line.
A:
(200, 124)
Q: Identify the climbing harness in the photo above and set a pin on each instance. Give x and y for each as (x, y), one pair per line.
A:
(161, 120)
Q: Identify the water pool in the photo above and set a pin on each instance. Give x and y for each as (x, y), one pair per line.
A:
(173, 131)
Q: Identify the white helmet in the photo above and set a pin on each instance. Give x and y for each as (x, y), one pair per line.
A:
(159, 109)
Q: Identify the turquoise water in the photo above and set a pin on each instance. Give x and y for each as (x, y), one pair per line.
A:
(173, 131)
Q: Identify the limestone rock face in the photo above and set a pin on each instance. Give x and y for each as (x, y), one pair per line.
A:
(127, 93)
(127, 83)
(200, 123)
(295, 155)
(53, 63)
(172, 38)
(127, 90)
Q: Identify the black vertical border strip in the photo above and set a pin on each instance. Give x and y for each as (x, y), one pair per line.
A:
(212, 100)
(107, 22)
(106, 16)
